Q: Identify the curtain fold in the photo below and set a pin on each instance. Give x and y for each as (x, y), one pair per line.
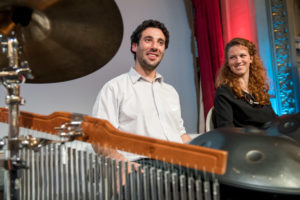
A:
(208, 33)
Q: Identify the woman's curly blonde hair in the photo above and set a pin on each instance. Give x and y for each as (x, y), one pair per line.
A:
(258, 85)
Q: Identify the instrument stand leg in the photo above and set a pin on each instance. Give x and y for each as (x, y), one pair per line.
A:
(11, 80)
(11, 190)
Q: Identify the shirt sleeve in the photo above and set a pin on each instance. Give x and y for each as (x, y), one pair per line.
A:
(223, 109)
(181, 126)
(107, 106)
(180, 121)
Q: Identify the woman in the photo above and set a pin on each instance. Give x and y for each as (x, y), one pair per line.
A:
(242, 97)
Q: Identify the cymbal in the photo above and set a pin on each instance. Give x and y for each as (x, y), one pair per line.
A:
(62, 39)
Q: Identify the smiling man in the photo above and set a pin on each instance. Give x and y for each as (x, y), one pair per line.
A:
(139, 101)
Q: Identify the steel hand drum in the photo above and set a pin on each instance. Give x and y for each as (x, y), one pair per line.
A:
(256, 161)
(287, 125)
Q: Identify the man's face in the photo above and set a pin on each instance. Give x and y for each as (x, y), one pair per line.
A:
(151, 48)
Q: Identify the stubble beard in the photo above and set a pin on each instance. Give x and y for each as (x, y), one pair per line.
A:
(147, 66)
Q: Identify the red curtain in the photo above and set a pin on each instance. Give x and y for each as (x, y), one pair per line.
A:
(208, 32)
(239, 20)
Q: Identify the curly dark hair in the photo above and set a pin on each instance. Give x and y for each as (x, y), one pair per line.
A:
(137, 33)
(258, 84)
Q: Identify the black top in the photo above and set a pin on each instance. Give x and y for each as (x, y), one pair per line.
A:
(233, 112)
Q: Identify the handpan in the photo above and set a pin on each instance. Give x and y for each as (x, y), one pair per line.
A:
(286, 125)
(256, 160)
(62, 39)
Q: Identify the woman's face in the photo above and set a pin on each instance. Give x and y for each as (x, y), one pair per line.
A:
(239, 60)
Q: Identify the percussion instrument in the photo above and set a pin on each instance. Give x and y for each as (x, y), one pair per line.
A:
(52, 171)
(285, 125)
(62, 39)
(66, 39)
(260, 165)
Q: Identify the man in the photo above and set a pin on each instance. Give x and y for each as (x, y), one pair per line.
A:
(139, 101)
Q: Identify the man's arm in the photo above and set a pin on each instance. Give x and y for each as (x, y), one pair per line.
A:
(112, 153)
(185, 138)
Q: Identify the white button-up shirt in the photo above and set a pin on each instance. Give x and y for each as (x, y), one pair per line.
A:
(133, 104)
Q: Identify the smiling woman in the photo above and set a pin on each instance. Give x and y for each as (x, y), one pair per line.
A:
(242, 97)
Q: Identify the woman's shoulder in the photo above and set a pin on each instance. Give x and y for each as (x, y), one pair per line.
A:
(224, 90)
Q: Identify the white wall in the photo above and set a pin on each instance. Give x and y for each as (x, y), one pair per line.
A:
(177, 67)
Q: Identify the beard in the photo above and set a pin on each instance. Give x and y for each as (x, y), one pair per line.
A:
(147, 65)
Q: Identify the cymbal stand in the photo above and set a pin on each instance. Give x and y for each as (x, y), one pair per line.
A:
(11, 78)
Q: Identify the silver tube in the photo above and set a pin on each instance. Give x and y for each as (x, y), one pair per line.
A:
(127, 185)
(108, 179)
(120, 180)
(132, 175)
(216, 189)
(50, 171)
(69, 185)
(175, 186)
(153, 185)
(93, 181)
(37, 175)
(55, 171)
(139, 183)
(146, 183)
(102, 178)
(199, 192)
(60, 172)
(85, 173)
(90, 175)
(183, 187)
(167, 185)
(114, 180)
(191, 188)
(97, 177)
(160, 185)
(80, 175)
(73, 175)
(207, 192)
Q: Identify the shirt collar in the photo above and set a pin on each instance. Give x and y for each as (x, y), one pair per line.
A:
(134, 76)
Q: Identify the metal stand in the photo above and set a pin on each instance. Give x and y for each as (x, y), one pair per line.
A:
(11, 79)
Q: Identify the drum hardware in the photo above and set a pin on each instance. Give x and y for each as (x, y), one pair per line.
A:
(35, 144)
(11, 79)
(16, 73)
(71, 130)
